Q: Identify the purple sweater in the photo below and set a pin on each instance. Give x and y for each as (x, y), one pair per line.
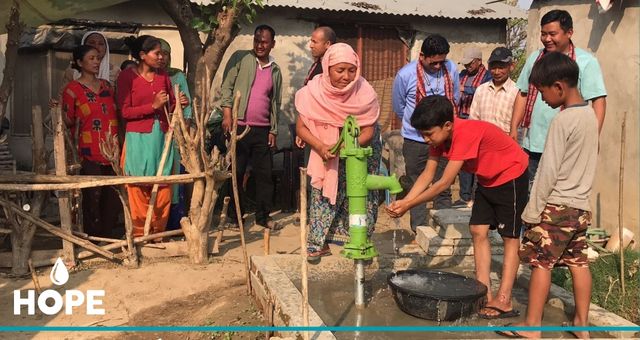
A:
(258, 106)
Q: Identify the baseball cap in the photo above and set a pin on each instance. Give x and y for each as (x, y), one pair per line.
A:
(501, 54)
(469, 54)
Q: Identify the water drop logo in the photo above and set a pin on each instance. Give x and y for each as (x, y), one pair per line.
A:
(59, 274)
(52, 302)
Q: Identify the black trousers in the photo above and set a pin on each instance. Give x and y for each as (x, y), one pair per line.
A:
(101, 206)
(253, 150)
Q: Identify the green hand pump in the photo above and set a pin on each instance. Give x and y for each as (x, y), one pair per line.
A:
(359, 182)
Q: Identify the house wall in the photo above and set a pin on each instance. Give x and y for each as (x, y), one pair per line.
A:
(293, 28)
(613, 38)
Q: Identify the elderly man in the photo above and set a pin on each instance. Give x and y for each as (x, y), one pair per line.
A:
(473, 75)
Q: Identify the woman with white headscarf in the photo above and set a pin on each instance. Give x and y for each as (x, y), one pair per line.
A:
(107, 72)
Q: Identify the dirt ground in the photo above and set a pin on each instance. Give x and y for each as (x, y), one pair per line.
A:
(162, 292)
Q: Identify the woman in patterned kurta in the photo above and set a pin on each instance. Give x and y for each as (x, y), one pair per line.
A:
(323, 105)
(89, 109)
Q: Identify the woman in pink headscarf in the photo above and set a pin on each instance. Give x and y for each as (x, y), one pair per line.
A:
(323, 106)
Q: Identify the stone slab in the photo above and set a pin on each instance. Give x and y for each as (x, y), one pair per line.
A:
(279, 297)
(598, 316)
(449, 216)
(455, 231)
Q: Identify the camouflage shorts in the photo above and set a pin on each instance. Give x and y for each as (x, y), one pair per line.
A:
(559, 239)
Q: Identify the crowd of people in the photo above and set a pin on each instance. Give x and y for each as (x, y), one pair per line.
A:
(524, 151)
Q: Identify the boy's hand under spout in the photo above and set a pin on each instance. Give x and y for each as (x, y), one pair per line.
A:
(398, 208)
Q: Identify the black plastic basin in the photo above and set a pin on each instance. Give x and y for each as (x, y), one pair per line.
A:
(436, 295)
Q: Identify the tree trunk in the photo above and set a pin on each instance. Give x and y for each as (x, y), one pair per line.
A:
(196, 226)
(14, 29)
(197, 243)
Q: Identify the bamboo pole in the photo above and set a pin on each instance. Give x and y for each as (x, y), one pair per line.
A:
(64, 197)
(303, 250)
(141, 239)
(111, 180)
(267, 241)
(34, 278)
(621, 201)
(57, 231)
(168, 138)
(223, 217)
(234, 184)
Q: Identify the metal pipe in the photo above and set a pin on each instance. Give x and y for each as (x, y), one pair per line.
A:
(359, 283)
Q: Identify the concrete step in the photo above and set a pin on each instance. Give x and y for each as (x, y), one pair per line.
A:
(429, 239)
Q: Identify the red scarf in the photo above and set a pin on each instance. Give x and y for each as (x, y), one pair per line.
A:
(533, 91)
(421, 91)
(465, 100)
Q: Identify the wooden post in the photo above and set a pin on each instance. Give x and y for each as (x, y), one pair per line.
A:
(234, 184)
(621, 202)
(303, 250)
(223, 217)
(267, 241)
(168, 139)
(64, 199)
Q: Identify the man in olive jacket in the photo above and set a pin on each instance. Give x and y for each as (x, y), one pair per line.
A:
(258, 79)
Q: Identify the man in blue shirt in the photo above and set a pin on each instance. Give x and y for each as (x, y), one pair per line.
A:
(529, 110)
(432, 74)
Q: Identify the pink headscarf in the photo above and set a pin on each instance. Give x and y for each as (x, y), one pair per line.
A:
(323, 109)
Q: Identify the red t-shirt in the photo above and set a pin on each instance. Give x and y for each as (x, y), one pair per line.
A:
(486, 150)
(95, 114)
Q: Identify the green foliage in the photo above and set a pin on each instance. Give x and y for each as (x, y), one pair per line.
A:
(205, 17)
(516, 42)
(606, 289)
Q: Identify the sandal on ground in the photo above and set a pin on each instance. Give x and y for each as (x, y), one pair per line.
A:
(509, 334)
(573, 334)
(314, 254)
(502, 314)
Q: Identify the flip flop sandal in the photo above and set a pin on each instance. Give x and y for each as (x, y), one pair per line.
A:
(510, 334)
(502, 314)
(315, 255)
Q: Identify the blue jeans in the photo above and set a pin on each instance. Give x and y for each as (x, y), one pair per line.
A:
(415, 159)
(466, 185)
(534, 160)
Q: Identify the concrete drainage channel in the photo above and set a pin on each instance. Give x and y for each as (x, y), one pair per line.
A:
(275, 282)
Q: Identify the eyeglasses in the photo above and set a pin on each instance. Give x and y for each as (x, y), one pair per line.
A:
(436, 63)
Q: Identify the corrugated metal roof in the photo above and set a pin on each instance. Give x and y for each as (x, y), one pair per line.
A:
(454, 9)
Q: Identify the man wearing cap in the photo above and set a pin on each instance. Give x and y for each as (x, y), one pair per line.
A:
(471, 77)
(493, 100)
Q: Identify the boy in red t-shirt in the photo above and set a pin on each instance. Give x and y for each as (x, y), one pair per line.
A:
(501, 168)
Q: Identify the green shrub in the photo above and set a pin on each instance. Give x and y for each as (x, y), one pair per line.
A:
(606, 289)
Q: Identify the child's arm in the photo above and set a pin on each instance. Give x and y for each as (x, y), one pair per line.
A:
(547, 174)
(423, 190)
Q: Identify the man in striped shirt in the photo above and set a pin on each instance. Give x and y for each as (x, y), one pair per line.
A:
(493, 100)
